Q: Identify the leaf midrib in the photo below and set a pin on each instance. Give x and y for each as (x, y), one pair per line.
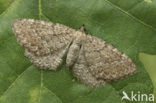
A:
(41, 73)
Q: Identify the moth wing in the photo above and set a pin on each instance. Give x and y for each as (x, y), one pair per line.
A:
(42, 39)
(82, 72)
(50, 61)
(105, 62)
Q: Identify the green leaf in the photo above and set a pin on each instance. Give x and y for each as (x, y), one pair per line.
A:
(123, 24)
(4, 4)
(150, 65)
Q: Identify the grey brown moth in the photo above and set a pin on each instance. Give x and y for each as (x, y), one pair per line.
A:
(93, 61)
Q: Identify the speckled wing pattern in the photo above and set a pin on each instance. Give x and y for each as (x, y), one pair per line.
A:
(102, 63)
(94, 62)
(45, 43)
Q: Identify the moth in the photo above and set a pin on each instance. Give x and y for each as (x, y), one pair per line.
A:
(93, 61)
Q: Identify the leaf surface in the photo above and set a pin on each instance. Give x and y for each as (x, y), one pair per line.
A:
(21, 82)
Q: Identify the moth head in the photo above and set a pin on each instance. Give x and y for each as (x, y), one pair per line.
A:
(82, 28)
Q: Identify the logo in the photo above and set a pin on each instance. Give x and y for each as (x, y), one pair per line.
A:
(137, 96)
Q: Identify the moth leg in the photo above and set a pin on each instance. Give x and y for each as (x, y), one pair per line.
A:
(51, 62)
(81, 71)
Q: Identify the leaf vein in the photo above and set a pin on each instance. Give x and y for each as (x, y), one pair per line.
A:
(19, 76)
(130, 15)
(53, 94)
(41, 86)
(40, 8)
(7, 9)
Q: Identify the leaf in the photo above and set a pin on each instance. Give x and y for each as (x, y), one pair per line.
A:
(149, 63)
(117, 25)
(4, 4)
